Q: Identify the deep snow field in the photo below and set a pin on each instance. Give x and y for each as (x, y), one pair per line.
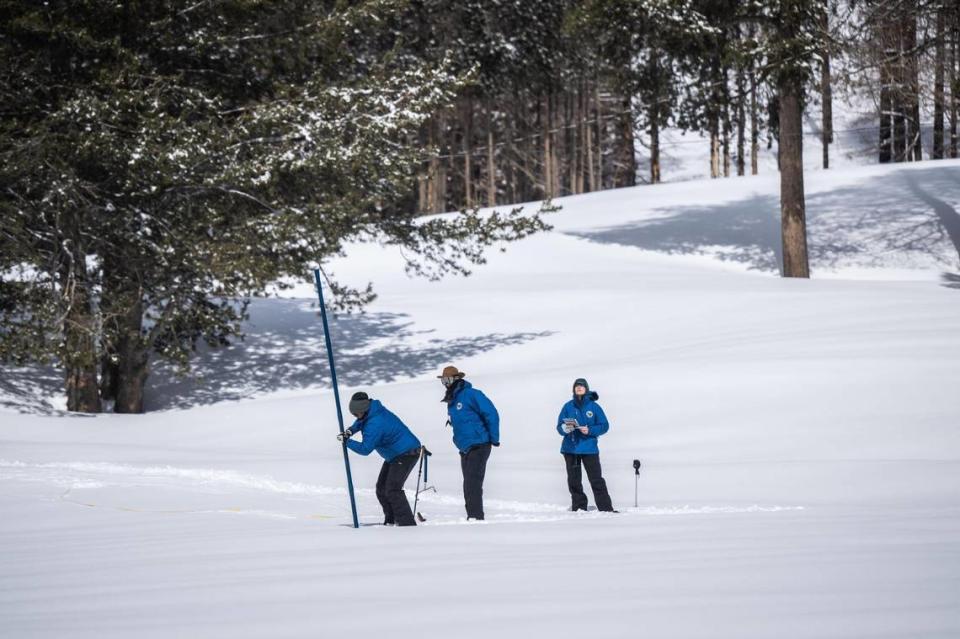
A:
(800, 441)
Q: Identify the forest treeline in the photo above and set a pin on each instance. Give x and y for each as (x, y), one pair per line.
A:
(568, 94)
(164, 161)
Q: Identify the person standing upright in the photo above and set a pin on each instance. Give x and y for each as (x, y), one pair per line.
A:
(581, 422)
(476, 428)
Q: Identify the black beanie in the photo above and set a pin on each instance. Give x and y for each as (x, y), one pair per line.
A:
(581, 382)
(359, 404)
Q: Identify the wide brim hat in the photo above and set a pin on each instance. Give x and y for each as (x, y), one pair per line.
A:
(451, 371)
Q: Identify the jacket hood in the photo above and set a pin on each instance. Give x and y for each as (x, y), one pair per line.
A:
(375, 407)
(591, 396)
(454, 390)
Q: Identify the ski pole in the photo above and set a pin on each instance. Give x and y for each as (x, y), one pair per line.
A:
(416, 497)
(336, 395)
(636, 483)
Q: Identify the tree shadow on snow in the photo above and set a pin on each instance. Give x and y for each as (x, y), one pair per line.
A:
(951, 280)
(284, 349)
(895, 220)
(746, 231)
(27, 389)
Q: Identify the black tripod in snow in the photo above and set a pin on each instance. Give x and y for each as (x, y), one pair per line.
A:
(424, 468)
(636, 483)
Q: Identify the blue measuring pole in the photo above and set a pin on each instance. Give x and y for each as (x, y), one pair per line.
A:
(336, 394)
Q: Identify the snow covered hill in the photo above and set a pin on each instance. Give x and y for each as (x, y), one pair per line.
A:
(799, 439)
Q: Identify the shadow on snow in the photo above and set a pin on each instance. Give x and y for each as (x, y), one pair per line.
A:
(284, 349)
(27, 389)
(875, 223)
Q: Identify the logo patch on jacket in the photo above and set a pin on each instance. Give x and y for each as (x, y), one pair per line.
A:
(590, 414)
(459, 405)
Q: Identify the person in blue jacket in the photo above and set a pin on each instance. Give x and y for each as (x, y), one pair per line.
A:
(581, 422)
(476, 427)
(384, 432)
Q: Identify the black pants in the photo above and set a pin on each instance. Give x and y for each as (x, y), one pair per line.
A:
(396, 508)
(594, 474)
(473, 463)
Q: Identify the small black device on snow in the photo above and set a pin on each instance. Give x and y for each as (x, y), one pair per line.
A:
(636, 483)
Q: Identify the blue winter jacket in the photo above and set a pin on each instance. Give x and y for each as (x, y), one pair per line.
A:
(473, 417)
(382, 431)
(587, 412)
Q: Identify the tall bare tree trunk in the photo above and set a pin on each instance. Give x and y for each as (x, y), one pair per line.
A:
(887, 75)
(826, 91)
(132, 363)
(519, 138)
(714, 146)
(754, 123)
(562, 142)
(467, 153)
(124, 363)
(583, 131)
(547, 153)
(726, 140)
(725, 115)
(440, 167)
(508, 155)
(915, 139)
(80, 363)
(601, 131)
(588, 138)
(431, 179)
(79, 327)
(741, 120)
(713, 115)
(491, 162)
(423, 175)
(529, 153)
(423, 190)
(900, 93)
(938, 75)
(573, 149)
(792, 199)
(626, 169)
(654, 146)
(653, 114)
(555, 146)
(954, 81)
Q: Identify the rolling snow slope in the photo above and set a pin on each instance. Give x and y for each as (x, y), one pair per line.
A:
(799, 438)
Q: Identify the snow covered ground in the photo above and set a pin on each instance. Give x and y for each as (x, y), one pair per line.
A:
(799, 439)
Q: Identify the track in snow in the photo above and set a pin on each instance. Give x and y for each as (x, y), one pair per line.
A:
(170, 490)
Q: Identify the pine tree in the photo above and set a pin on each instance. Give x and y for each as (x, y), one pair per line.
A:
(165, 161)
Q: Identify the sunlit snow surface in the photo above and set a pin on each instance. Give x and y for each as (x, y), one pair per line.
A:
(799, 442)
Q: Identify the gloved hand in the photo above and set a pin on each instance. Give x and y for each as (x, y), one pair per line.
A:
(344, 436)
(568, 427)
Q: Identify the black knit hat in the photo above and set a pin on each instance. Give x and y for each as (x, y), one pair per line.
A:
(581, 382)
(359, 404)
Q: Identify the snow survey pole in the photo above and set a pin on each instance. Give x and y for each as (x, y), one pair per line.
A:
(636, 483)
(424, 461)
(336, 395)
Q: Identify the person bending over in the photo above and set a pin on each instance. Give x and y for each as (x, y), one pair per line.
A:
(382, 431)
